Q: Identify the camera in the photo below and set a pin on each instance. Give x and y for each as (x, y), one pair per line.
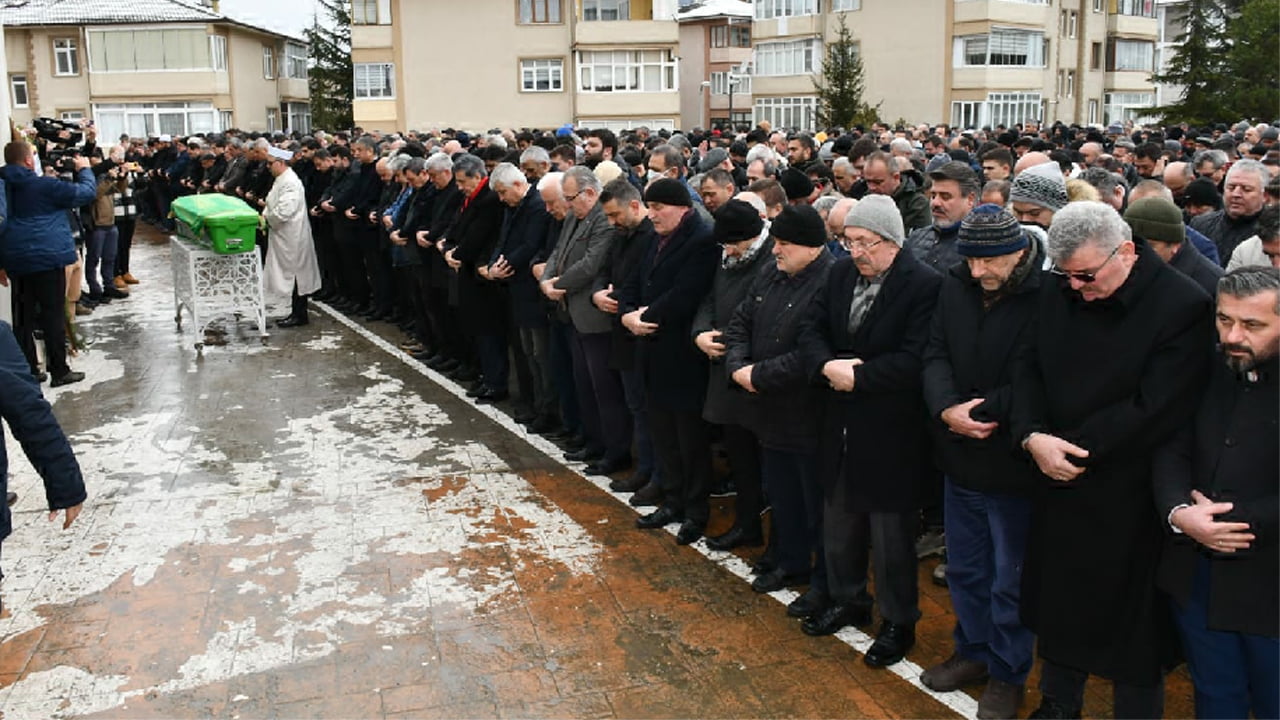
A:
(60, 139)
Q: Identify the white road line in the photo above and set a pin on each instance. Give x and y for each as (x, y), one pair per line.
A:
(959, 702)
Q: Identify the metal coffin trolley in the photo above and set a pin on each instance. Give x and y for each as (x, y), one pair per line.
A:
(210, 285)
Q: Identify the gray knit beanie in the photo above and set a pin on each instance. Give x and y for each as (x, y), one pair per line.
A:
(880, 215)
(1041, 185)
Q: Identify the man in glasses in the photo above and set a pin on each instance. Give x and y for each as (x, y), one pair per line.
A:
(986, 309)
(1121, 344)
(864, 337)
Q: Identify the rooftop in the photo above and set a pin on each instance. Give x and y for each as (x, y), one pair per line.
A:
(708, 9)
(20, 13)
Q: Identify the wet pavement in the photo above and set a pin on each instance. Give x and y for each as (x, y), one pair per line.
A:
(318, 527)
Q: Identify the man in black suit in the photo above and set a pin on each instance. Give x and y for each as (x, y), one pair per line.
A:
(865, 339)
(1215, 481)
(658, 306)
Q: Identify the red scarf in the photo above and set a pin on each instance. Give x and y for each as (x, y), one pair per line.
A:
(483, 184)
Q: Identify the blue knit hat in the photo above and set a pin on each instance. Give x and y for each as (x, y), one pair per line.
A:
(988, 231)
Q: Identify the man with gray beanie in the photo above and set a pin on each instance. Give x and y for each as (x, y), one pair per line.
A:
(1037, 193)
(1158, 222)
(986, 308)
(865, 338)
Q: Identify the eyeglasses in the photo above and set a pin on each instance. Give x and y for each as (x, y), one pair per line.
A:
(1084, 277)
(852, 245)
(571, 198)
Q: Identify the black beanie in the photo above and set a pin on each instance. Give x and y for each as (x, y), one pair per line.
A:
(799, 225)
(668, 192)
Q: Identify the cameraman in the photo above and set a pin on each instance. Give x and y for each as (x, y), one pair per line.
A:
(36, 248)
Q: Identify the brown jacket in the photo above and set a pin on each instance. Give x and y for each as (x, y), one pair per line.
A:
(104, 211)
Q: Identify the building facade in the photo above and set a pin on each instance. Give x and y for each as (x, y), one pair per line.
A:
(967, 62)
(152, 68)
(527, 63)
(715, 57)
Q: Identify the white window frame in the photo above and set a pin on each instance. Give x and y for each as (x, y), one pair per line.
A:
(386, 86)
(788, 57)
(68, 50)
(999, 38)
(720, 83)
(218, 52)
(1121, 106)
(149, 115)
(226, 119)
(1073, 21)
(631, 66)
(845, 5)
(1145, 48)
(71, 115)
(1093, 112)
(297, 117)
(295, 61)
(268, 62)
(787, 112)
(1097, 6)
(273, 119)
(606, 10)
(1012, 108)
(1136, 8)
(371, 12)
(967, 113)
(527, 12)
(769, 9)
(534, 69)
(19, 81)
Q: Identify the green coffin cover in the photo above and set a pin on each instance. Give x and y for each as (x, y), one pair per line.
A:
(214, 210)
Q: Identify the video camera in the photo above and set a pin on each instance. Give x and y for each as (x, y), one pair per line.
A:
(60, 138)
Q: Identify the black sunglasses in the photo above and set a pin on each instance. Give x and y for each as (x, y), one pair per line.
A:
(1084, 277)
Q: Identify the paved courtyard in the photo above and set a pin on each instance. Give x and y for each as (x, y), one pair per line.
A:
(318, 527)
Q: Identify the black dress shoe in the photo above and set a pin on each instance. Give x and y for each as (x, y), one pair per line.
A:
(464, 373)
(765, 563)
(736, 537)
(605, 466)
(630, 484)
(834, 618)
(476, 389)
(583, 454)
(661, 517)
(689, 532)
(648, 496)
(292, 321)
(891, 645)
(544, 425)
(777, 579)
(812, 602)
(71, 376)
(42, 377)
(446, 366)
(1050, 709)
(493, 395)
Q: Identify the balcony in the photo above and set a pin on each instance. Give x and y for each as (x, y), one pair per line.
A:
(627, 32)
(1002, 11)
(997, 78)
(1128, 81)
(786, 26)
(1133, 26)
(129, 85)
(292, 88)
(371, 36)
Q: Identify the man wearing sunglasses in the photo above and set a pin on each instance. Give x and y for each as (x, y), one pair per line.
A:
(1110, 372)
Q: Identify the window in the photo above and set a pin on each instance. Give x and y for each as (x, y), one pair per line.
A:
(731, 36)
(626, 71)
(66, 60)
(1093, 112)
(298, 117)
(143, 119)
(841, 5)
(542, 75)
(1062, 22)
(787, 112)
(226, 118)
(1130, 55)
(1097, 5)
(606, 10)
(273, 119)
(797, 57)
(539, 11)
(295, 61)
(1095, 56)
(720, 83)
(1011, 108)
(156, 50)
(18, 87)
(1002, 48)
(1069, 87)
(966, 113)
(766, 9)
(1122, 106)
(218, 52)
(1135, 8)
(371, 12)
(1073, 19)
(268, 62)
(71, 115)
(374, 80)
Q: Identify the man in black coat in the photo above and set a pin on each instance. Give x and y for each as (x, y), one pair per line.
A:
(865, 337)
(452, 355)
(657, 306)
(1158, 221)
(1121, 343)
(353, 197)
(1215, 481)
(1244, 194)
(747, 252)
(986, 309)
(762, 357)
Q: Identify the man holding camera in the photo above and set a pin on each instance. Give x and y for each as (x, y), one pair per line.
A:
(35, 248)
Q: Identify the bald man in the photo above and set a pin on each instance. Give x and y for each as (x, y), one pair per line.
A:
(1090, 151)
(1177, 175)
(1031, 159)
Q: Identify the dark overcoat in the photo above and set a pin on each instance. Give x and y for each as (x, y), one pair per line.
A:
(524, 229)
(483, 304)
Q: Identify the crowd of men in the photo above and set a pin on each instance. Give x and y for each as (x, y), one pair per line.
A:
(1008, 333)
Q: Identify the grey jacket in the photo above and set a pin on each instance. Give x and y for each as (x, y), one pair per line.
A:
(579, 255)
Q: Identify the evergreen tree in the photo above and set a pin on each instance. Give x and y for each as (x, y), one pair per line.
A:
(841, 84)
(1251, 62)
(331, 73)
(1199, 65)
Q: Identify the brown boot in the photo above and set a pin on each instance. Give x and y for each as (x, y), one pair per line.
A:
(954, 673)
(1000, 701)
(130, 279)
(120, 282)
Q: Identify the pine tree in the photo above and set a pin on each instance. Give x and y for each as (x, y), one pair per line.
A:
(1251, 61)
(331, 73)
(841, 84)
(1199, 66)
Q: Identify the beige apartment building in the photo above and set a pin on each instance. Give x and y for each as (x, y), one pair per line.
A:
(515, 63)
(151, 67)
(967, 62)
(715, 62)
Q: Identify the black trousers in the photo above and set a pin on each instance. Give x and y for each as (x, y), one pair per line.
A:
(1066, 686)
(299, 304)
(326, 254)
(377, 261)
(124, 243)
(682, 444)
(353, 282)
(744, 464)
(39, 301)
(854, 540)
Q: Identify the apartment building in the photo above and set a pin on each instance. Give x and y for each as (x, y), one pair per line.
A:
(153, 67)
(515, 63)
(967, 62)
(715, 58)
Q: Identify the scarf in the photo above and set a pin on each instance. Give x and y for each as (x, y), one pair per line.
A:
(730, 263)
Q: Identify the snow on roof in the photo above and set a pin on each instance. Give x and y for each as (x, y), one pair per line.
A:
(18, 13)
(715, 8)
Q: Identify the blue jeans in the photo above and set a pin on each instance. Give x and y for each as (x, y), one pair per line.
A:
(1232, 672)
(101, 251)
(986, 545)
